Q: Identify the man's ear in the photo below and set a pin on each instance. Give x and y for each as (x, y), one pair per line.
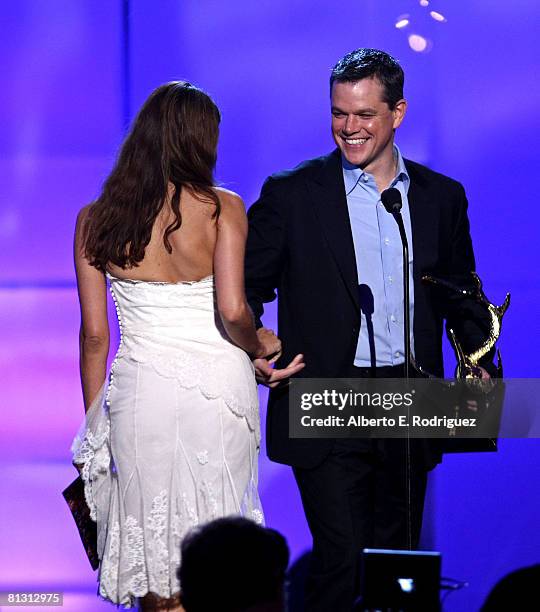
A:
(399, 112)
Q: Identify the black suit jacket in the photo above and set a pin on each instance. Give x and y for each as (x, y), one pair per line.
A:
(300, 244)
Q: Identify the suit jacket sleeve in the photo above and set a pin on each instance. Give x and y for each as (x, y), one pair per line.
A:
(265, 248)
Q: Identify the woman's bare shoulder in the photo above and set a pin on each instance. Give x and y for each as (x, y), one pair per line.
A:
(232, 206)
(82, 217)
(228, 197)
(83, 213)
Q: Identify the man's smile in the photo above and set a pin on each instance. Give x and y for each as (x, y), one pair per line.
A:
(355, 141)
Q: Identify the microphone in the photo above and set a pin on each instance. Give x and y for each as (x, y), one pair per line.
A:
(391, 200)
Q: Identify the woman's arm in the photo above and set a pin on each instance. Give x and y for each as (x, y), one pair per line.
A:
(94, 331)
(229, 278)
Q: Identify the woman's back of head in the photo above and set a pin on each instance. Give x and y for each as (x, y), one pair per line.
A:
(171, 146)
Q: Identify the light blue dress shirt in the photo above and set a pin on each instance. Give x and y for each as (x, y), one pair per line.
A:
(378, 251)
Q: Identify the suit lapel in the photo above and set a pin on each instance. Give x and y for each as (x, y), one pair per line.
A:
(424, 212)
(330, 203)
(328, 193)
(424, 223)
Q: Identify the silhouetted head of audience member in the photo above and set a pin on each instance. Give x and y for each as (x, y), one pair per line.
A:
(516, 591)
(233, 565)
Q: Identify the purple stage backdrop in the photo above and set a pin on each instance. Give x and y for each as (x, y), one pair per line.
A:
(75, 71)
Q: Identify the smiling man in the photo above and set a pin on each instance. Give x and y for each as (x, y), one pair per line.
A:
(364, 116)
(321, 237)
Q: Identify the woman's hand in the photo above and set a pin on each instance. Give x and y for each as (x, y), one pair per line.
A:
(269, 345)
(271, 377)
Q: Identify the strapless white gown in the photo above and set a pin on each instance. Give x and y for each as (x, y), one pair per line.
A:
(172, 440)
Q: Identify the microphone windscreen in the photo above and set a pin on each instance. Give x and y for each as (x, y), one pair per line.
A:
(391, 199)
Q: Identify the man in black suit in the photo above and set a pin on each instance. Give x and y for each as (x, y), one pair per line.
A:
(319, 236)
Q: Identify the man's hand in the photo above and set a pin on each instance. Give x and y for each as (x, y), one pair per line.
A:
(271, 377)
(485, 373)
(473, 404)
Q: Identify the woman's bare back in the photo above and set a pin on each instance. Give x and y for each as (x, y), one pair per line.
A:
(193, 244)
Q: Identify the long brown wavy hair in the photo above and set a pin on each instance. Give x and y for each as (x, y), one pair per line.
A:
(173, 141)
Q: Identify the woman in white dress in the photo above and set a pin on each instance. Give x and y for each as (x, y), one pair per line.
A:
(171, 434)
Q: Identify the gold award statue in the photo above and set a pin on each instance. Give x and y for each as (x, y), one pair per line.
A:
(484, 395)
(468, 363)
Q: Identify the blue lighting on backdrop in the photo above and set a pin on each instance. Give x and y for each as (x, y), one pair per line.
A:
(74, 71)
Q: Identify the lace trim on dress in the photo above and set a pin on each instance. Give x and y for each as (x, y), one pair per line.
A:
(136, 281)
(140, 558)
(91, 451)
(135, 580)
(205, 374)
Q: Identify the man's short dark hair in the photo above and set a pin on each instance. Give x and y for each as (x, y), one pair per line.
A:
(232, 564)
(371, 63)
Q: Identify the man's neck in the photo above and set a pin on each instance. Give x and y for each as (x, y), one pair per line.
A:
(386, 171)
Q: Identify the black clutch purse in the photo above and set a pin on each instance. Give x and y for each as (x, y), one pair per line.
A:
(74, 496)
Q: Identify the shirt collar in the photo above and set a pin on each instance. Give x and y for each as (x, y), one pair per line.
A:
(352, 174)
(401, 174)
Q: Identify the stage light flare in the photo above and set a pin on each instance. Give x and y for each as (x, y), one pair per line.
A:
(419, 21)
(402, 22)
(437, 16)
(418, 43)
